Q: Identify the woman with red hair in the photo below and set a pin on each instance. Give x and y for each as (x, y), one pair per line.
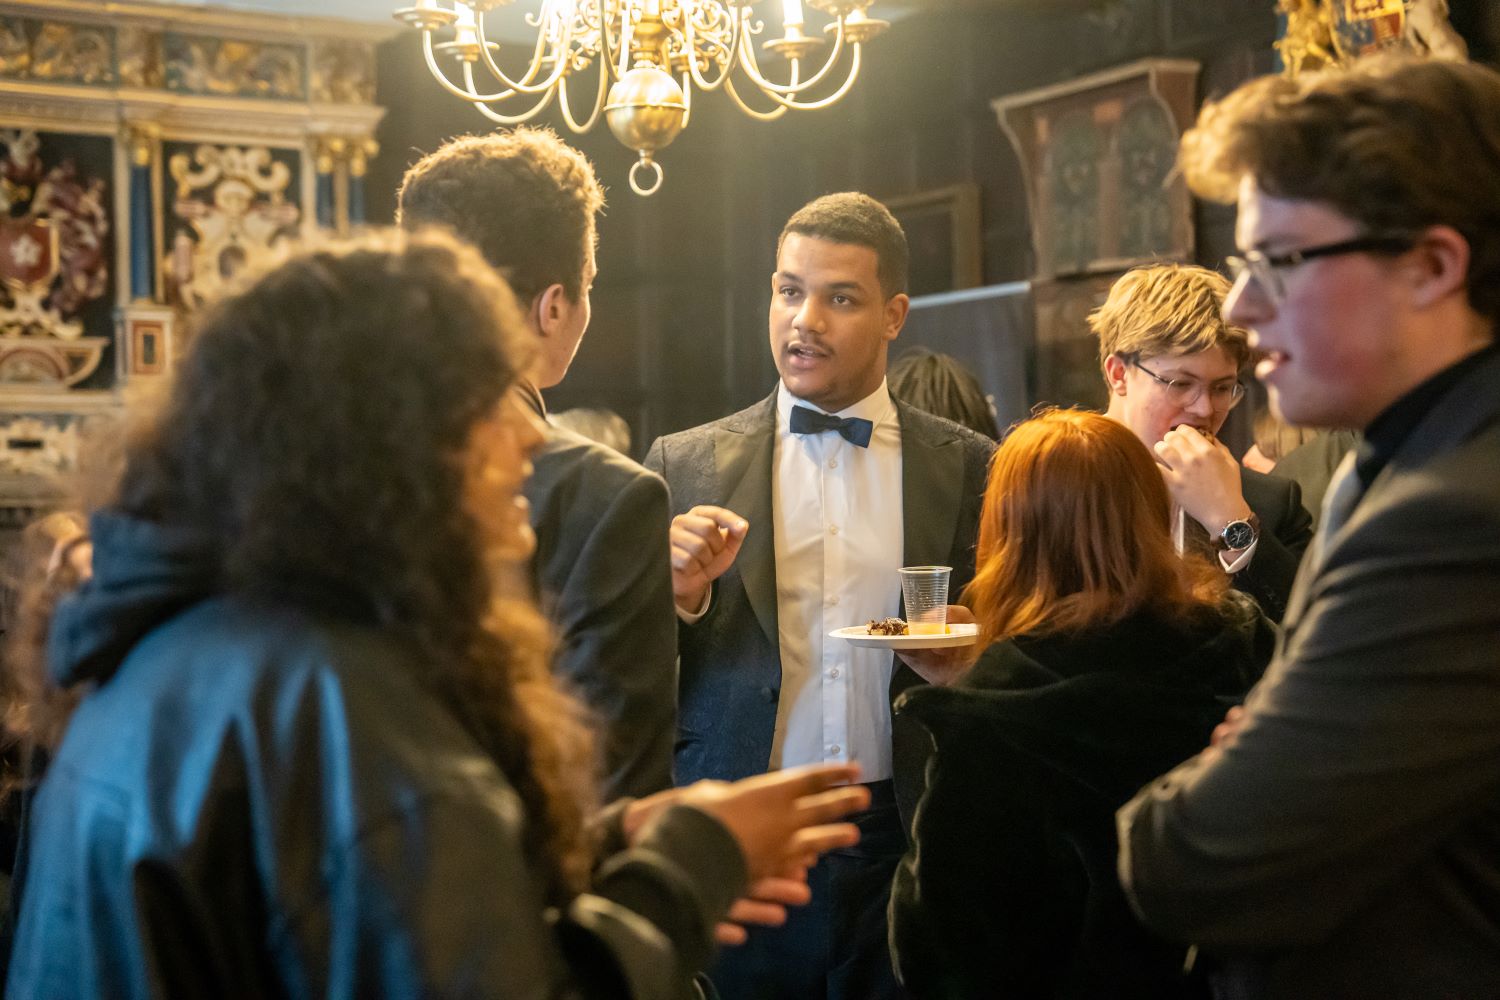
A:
(1108, 658)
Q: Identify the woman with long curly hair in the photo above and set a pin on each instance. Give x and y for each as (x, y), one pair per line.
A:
(1107, 659)
(319, 752)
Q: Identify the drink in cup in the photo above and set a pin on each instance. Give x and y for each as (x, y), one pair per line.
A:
(924, 589)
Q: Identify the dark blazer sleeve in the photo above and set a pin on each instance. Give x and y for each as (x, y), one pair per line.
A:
(1286, 529)
(1371, 741)
(643, 931)
(619, 635)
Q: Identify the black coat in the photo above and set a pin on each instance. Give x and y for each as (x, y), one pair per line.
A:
(604, 577)
(1009, 889)
(266, 798)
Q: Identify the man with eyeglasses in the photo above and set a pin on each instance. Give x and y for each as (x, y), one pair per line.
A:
(1172, 366)
(1341, 838)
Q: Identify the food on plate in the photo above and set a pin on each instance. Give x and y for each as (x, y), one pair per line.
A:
(886, 626)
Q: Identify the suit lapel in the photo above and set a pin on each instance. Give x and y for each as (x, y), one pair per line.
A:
(743, 457)
(932, 475)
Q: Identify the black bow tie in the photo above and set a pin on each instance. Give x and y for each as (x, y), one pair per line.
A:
(855, 430)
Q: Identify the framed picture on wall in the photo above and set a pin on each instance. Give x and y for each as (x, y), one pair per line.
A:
(943, 232)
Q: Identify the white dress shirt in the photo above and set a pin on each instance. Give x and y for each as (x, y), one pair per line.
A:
(1230, 566)
(837, 523)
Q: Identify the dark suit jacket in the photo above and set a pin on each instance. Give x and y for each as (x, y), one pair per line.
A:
(1286, 528)
(1311, 466)
(1348, 843)
(731, 658)
(602, 568)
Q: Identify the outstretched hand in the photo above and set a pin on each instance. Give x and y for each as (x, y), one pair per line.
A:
(782, 821)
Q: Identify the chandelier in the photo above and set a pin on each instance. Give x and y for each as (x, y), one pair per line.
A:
(641, 60)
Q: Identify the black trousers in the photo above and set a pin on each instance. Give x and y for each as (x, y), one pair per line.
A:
(836, 947)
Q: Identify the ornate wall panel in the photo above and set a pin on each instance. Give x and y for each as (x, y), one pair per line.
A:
(55, 51)
(1097, 156)
(56, 260)
(148, 152)
(228, 207)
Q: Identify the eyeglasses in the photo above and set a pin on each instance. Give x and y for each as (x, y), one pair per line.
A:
(1184, 392)
(1266, 270)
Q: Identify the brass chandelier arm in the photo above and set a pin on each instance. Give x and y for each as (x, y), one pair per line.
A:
(448, 85)
(499, 119)
(763, 116)
(726, 61)
(752, 69)
(524, 86)
(795, 105)
(567, 112)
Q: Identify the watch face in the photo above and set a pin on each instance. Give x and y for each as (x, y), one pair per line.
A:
(1238, 534)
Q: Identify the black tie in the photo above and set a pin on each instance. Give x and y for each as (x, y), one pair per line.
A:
(855, 430)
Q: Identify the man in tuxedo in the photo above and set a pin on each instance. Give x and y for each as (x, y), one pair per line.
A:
(792, 518)
(1340, 838)
(528, 201)
(1172, 366)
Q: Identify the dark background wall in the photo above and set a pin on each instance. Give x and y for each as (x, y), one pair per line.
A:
(679, 329)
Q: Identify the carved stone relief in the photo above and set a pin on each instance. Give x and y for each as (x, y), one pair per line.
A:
(54, 261)
(343, 72)
(226, 67)
(57, 51)
(231, 210)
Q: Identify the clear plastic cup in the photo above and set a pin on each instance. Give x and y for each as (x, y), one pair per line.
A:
(924, 589)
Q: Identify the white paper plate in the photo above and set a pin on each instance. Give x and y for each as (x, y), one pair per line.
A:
(957, 635)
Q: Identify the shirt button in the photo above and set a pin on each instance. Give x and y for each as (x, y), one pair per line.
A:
(833, 750)
(833, 463)
(834, 673)
(833, 530)
(833, 600)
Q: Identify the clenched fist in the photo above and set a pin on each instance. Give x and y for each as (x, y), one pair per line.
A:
(705, 542)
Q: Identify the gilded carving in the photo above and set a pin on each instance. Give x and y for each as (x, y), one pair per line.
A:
(233, 201)
(36, 446)
(73, 53)
(139, 55)
(15, 47)
(54, 230)
(224, 67)
(343, 72)
(1321, 33)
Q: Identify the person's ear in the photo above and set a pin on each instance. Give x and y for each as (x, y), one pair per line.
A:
(1441, 258)
(1114, 374)
(548, 309)
(896, 309)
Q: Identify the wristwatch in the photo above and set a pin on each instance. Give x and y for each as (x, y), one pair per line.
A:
(1239, 534)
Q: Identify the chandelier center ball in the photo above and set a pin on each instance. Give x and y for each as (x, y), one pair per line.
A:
(645, 109)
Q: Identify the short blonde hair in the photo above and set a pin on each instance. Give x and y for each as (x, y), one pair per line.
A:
(1167, 309)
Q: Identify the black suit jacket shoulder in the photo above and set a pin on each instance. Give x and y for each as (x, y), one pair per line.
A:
(601, 567)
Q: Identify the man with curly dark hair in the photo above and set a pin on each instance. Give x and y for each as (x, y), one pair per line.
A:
(1339, 839)
(528, 201)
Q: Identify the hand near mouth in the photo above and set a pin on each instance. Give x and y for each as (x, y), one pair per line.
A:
(1202, 476)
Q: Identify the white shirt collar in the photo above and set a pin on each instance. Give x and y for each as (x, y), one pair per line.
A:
(875, 407)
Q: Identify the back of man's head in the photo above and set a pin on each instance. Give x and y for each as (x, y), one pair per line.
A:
(856, 219)
(525, 198)
(1167, 309)
(1395, 143)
